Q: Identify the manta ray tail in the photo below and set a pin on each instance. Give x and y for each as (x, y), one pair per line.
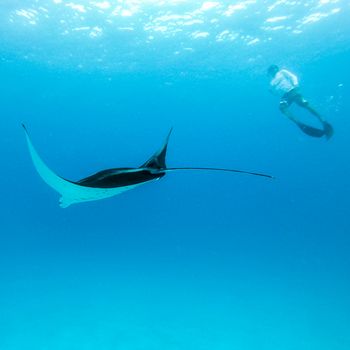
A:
(220, 169)
(157, 161)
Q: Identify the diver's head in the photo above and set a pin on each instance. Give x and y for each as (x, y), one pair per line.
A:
(272, 70)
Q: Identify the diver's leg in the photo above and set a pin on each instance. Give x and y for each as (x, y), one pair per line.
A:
(289, 114)
(302, 102)
(314, 112)
(284, 108)
(327, 128)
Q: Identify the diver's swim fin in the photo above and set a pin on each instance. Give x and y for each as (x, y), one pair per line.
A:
(310, 130)
(328, 130)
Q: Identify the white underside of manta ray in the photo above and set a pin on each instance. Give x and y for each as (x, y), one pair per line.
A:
(110, 182)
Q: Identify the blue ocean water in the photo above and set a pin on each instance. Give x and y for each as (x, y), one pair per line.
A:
(197, 260)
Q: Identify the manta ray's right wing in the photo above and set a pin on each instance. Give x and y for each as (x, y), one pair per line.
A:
(70, 192)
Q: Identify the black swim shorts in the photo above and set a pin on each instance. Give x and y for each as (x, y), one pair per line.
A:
(291, 97)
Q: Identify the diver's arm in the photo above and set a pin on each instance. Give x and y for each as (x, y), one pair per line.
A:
(273, 89)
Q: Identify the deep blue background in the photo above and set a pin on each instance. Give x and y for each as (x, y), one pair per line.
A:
(196, 260)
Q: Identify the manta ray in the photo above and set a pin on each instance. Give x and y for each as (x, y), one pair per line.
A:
(110, 182)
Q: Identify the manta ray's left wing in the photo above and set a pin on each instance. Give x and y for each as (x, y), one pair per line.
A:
(70, 192)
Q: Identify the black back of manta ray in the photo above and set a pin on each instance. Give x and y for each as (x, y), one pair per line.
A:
(120, 177)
